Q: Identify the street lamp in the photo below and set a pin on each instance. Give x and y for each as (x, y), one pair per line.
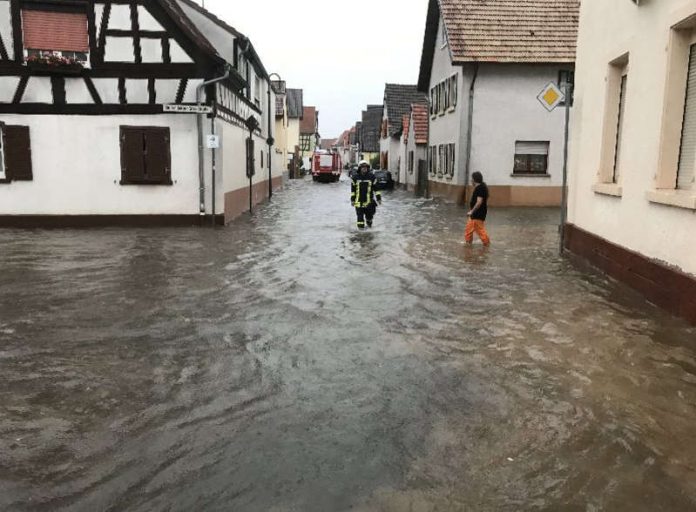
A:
(270, 140)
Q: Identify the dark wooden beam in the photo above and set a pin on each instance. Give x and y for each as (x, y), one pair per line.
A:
(78, 109)
(181, 91)
(92, 33)
(58, 88)
(166, 50)
(106, 16)
(143, 34)
(93, 91)
(135, 27)
(152, 91)
(3, 50)
(21, 87)
(122, 95)
(119, 69)
(16, 15)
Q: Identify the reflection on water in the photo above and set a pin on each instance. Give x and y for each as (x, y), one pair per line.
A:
(290, 363)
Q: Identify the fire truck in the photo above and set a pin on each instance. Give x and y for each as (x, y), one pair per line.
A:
(326, 166)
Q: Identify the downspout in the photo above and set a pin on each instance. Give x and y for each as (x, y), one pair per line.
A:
(201, 156)
(469, 128)
(270, 145)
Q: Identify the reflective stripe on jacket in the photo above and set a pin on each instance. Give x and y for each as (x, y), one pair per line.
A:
(363, 191)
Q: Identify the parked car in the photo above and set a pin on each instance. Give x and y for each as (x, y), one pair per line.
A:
(384, 180)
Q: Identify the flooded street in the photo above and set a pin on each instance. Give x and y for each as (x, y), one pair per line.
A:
(290, 363)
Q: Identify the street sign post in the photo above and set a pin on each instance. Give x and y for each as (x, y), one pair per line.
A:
(187, 109)
(551, 97)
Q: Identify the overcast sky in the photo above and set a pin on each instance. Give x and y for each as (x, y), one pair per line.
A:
(340, 53)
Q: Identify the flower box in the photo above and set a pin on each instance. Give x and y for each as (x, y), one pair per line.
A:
(55, 65)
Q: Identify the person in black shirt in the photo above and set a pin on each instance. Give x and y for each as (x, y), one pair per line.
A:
(364, 195)
(478, 211)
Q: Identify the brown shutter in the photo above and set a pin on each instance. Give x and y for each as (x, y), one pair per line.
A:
(157, 155)
(17, 153)
(132, 155)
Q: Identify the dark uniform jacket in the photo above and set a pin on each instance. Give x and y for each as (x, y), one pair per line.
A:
(363, 190)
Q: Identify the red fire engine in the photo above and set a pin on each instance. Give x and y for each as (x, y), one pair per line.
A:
(326, 166)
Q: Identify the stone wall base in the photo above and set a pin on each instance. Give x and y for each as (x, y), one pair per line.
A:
(666, 287)
(237, 201)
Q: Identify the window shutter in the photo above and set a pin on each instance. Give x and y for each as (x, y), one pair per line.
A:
(132, 155)
(157, 155)
(531, 148)
(455, 90)
(687, 156)
(52, 30)
(17, 144)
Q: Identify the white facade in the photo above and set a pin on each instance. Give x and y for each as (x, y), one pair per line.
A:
(410, 175)
(84, 179)
(643, 210)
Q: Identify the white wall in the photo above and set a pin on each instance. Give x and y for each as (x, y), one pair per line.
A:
(607, 31)
(447, 128)
(506, 110)
(77, 168)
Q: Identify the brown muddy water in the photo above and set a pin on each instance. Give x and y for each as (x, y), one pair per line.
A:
(289, 363)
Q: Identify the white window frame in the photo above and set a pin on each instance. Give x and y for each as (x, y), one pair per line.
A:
(3, 173)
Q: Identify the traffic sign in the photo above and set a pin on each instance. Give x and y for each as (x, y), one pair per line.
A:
(551, 96)
(213, 141)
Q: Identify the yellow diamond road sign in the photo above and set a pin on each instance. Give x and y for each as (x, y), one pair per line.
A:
(551, 96)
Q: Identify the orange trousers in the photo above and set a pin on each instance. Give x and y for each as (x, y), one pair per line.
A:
(478, 227)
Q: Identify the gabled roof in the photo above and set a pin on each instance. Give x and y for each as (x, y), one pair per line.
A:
(370, 128)
(328, 143)
(308, 125)
(295, 104)
(419, 117)
(502, 31)
(218, 34)
(398, 99)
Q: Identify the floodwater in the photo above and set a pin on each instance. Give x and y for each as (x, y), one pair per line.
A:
(290, 363)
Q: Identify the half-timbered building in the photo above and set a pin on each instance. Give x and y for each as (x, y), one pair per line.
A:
(130, 111)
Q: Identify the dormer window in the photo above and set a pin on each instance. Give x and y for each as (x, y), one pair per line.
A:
(55, 35)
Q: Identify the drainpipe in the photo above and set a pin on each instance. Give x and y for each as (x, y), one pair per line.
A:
(469, 135)
(201, 156)
(270, 142)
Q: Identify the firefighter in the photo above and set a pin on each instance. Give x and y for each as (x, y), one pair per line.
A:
(363, 194)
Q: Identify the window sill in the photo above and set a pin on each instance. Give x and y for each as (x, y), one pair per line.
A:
(679, 198)
(529, 175)
(608, 189)
(147, 183)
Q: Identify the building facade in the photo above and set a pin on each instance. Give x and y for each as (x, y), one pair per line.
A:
(398, 99)
(98, 114)
(633, 154)
(415, 154)
(483, 76)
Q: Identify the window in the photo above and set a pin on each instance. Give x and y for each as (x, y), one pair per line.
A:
(257, 91)
(411, 157)
(612, 134)
(449, 160)
(261, 159)
(15, 153)
(63, 34)
(531, 157)
(432, 164)
(567, 75)
(440, 160)
(687, 149)
(619, 130)
(145, 156)
(433, 105)
(443, 97)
